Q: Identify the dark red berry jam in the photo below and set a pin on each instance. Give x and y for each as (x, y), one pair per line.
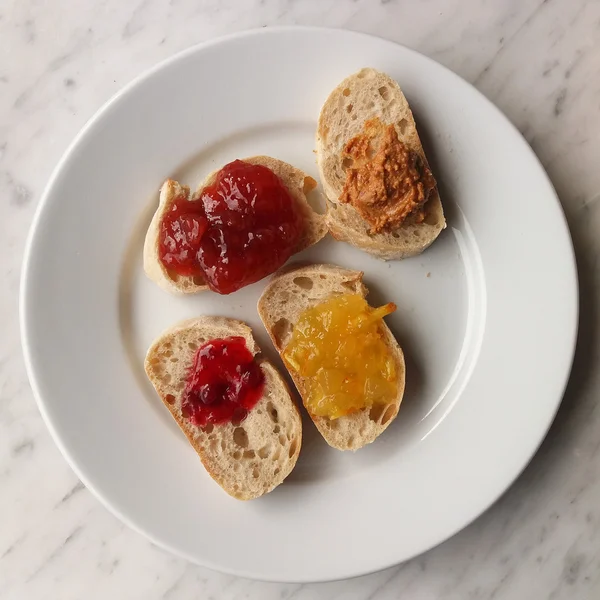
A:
(243, 227)
(223, 384)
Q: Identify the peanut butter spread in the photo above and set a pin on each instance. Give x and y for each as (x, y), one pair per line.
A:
(387, 183)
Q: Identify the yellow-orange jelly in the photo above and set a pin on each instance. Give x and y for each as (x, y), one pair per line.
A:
(338, 347)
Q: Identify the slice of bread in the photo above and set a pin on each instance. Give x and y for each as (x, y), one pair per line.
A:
(246, 459)
(297, 182)
(366, 95)
(290, 293)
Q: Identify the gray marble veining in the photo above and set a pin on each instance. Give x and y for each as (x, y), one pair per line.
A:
(538, 60)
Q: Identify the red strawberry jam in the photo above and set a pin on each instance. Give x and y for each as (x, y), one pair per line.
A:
(223, 384)
(243, 227)
(181, 230)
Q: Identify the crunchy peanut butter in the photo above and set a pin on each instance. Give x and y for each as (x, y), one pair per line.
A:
(387, 183)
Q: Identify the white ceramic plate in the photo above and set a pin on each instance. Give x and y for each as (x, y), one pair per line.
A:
(487, 316)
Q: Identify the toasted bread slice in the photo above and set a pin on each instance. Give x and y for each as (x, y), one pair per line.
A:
(299, 185)
(290, 293)
(246, 459)
(366, 95)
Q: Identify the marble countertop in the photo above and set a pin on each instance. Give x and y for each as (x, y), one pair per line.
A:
(538, 60)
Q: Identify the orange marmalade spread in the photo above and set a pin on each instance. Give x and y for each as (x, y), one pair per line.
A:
(386, 181)
(338, 347)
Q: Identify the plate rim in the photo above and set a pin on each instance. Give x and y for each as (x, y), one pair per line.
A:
(44, 202)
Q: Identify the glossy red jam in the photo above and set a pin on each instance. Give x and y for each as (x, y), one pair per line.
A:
(223, 384)
(181, 231)
(244, 227)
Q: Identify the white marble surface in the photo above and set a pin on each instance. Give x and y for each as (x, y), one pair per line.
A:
(539, 61)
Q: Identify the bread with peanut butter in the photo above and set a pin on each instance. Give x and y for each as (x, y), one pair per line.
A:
(247, 458)
(290, 292)
(298, 183)
(381, 194)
